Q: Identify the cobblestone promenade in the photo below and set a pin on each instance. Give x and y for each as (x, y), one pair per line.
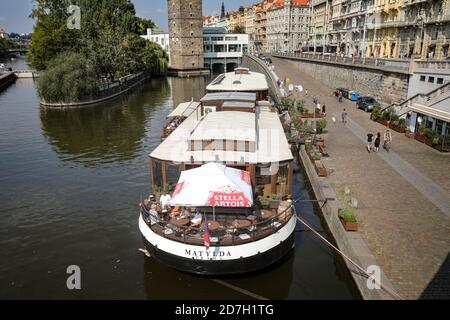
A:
(404, 195)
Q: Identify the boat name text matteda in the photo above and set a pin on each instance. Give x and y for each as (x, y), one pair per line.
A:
(200, 254)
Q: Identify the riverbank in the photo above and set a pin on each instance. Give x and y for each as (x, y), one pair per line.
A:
(108, 92)
(6, 79)
(403, 196)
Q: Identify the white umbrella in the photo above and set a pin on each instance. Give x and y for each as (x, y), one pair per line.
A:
(213, 185)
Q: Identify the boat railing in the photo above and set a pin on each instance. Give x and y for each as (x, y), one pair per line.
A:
(226, 234)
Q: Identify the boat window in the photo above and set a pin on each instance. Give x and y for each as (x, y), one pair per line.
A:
(157, 173)
(173, 173)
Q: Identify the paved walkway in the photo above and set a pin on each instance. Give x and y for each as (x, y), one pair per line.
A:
(404, 195)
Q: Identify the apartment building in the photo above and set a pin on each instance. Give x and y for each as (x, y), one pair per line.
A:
(287, 25)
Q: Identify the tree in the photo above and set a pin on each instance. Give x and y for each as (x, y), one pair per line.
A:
(69, 78)
(141, 25)
(51, 35)
(144, 55)
(238, 29)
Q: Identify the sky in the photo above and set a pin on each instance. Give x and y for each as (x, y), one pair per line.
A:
(14, 13)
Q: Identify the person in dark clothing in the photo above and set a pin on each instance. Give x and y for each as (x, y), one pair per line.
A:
(369, 141)
(377, 142)
(324, 109)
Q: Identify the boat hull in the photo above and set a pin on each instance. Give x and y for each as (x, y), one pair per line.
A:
(221, 260)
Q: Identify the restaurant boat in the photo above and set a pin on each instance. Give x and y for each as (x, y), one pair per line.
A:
(230, 168)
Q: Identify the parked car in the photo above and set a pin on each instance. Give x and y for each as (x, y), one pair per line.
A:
(366, 103)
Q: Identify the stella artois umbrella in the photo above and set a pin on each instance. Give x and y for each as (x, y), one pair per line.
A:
(213, 185)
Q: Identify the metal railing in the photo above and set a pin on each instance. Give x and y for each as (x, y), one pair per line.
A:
(193, 235)
(391, 64)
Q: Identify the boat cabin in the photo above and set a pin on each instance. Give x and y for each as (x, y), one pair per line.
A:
(241, 80)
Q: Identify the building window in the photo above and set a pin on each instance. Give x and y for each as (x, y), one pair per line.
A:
(440, 80)
(431, 79)
(422, 78)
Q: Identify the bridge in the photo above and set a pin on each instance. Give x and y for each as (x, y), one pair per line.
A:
(18, 50)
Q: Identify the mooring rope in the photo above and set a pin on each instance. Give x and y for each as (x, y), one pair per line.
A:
(387, 289)
(240, 290)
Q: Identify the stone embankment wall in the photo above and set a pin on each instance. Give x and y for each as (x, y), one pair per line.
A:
(257, 65)
(386, 86)
(6, 79)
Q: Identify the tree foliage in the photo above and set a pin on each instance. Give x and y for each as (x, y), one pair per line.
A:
(69, 78)
(108, 39)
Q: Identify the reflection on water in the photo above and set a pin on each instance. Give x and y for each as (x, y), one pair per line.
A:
(71, 181)
(110, 132)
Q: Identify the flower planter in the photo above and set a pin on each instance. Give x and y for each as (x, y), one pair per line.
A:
(410, 135)
(320, 168)
(349, 226)
(397, 128)
(383, 122)
(420, 137)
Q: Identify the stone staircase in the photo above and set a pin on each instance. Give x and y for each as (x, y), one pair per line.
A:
(430, 99)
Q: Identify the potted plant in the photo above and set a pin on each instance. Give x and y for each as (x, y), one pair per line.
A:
(274, 201)
(264, 202)
(320, 168)
(321, 124)
(348, 220)
(376, 113)
(308, 146)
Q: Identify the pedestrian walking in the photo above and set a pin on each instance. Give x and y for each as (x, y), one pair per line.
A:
(324, 109)
(387, 140)
(344, 116)
(377, 142)
(369, 141)
(340, 97)
(306, 91)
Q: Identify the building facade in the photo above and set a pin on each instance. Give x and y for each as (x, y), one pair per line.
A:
(320, 15)
(348, 27)
(249, 16)
(159, 37)
(185, 35)
(409, 29)
(260, 35)
(223, 51)
(287, 25)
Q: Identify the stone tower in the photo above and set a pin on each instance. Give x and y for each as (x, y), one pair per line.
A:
(186, 38)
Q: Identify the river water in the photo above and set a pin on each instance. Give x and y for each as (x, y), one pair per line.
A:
(70, 183)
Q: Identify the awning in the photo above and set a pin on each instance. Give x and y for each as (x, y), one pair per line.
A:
(213, 185)
(184, 109)
(442, 113)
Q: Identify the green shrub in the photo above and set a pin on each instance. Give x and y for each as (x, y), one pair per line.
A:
(395, 118)
(347, 215)
(402, 122)
(69, 78)
(308, 145)
(315, 155)
(321, 124)
(264, 201)
(376, 113)
(421, 129)
(428, 133)
(436, 139)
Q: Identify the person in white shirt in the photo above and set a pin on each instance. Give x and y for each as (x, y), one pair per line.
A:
(164, 200)
(197, 220)
(186, 213)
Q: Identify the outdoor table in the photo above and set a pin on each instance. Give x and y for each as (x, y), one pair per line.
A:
(212, 225)
(266, 214)
(180, 222)
(241, 224)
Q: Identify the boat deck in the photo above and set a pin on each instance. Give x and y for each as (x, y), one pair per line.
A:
(225, 230)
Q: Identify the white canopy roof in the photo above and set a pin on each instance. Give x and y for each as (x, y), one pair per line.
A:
(213, 185)
(237, 81)
(184, 109)
(226, 125)
(271, 142)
